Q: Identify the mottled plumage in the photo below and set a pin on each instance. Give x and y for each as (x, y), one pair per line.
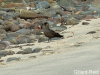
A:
(50, 33)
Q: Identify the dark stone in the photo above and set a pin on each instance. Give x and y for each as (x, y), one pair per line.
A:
(85, 23)
(91, 32)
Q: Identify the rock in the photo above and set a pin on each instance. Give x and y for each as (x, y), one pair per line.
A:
(36, 49)
(91, 32)
(2, 13)
(3, 53)
(3, 36)
(32, 15)
(56, 7)
(72, 21)
(2, 31)
(59, 28)
(6, 27)
(85, 23)
(1, 21)
(42, 38)
(11, 39)
(12, 4)
(14, 28)
(27, 50)
(65, 3)
(22, 39)
(43, 4)
(13, 58)
(51, 24)
(24, 31)
(10, 52)
(3, 45)
(16, 22)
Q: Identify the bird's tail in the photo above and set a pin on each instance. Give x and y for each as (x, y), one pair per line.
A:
(58, 35)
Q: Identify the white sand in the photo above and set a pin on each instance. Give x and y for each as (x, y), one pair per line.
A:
(67, 56)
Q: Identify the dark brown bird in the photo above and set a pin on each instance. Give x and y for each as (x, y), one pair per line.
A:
(50, 33)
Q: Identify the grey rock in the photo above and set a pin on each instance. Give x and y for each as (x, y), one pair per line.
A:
(3, 53)
(10, 52)
(27, 50)
(24, 31)
(20, 52)
(36, 49)
(11, 39)
(43, 4)
(42, 38)
(1, 21)
(13, 58)
(23, 39)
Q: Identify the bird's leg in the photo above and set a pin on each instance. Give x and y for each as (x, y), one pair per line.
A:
(48, 39)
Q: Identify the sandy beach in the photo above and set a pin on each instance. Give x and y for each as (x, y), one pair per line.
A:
(76, 52)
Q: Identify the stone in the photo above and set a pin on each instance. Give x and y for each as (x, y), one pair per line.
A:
(36, 49)
(91, 32)
(43, 4)
(1, 21)
(10, 52)
(56, 7)
(72, 21)
(42, 38)
(27, 50)
(14, 28)
(11, 39)
(24, 31)
(22, 39)
(32, 15)
(13, 58)
(2, 45)
(3, 53)
(85, 23)
(2, 31)
(6, 27)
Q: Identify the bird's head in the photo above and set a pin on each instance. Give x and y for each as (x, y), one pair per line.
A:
(46, 24)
